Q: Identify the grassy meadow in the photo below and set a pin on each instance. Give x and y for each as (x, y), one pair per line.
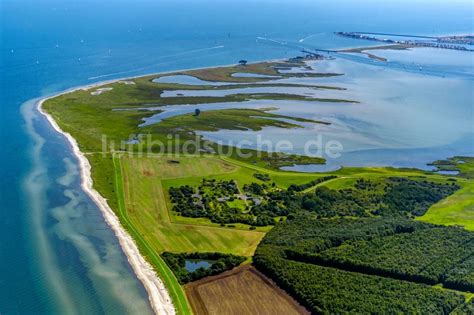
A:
(457, 209)
(136, 187)
(148, 206)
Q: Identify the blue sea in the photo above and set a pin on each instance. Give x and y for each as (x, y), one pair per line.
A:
(57, 255)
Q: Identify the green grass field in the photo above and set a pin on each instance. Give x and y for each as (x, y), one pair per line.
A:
(457, 209)
(148, 206)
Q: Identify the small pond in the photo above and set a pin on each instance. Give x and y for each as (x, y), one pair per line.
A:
(194, 264)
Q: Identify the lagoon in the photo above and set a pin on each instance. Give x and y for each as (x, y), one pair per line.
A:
(188, 80)
(402, 118)
(311, 92)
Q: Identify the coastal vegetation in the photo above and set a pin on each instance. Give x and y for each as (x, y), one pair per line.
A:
(126, 105)
(231, 119)
(352, 229)
(225, 74)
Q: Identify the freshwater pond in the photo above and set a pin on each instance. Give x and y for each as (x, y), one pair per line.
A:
(194, 264)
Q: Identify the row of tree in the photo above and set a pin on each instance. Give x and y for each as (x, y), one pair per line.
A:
(377, 254)
(422, 256)
(311, 183)
(324, 290)
(461, 277)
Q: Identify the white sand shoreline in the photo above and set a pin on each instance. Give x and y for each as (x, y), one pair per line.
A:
(158, 295)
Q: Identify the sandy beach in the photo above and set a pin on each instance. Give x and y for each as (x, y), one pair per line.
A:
(158, 295)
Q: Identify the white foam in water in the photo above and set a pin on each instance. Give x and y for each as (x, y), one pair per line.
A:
(158, 295)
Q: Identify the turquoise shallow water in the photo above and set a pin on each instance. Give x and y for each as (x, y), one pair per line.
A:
(56, 253)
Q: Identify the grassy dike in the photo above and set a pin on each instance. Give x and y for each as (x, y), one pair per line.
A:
(108, 181)
(166, 275)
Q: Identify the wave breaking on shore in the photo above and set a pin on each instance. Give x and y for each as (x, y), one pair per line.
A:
(158, 295)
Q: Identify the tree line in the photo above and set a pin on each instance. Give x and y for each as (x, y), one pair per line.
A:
(377, 253)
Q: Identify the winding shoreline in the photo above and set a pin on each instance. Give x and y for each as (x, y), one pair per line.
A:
(158, 295)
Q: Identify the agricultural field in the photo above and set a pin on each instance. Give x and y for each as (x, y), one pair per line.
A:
(240, 291)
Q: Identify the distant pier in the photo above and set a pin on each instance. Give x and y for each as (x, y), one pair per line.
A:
(396, 35)
(445, 42)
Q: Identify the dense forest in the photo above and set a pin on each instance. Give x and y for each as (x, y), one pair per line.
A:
(422, 256)
(333, 291)
(461, 276)
(391, 197)
(354, 260)
(220, 263)
(261, 204)
(464, 309)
